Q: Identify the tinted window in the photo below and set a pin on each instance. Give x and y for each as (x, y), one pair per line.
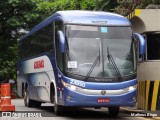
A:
(37, 43)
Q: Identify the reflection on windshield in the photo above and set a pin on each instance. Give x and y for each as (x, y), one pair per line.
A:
(113, 63)
(82, 54)
(85, 43)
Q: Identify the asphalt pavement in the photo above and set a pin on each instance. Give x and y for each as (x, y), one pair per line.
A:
(46, 111)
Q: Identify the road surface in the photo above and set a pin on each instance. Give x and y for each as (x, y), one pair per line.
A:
(46, 111)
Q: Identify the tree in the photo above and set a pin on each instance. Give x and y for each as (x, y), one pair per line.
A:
(106, 5)
(18, 15)
(145, 3)
(14, 15)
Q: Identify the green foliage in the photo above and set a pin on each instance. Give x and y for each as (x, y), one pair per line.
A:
(16, 15)
(49, 7)
(106, 5)
(13, 17)
(148, 2)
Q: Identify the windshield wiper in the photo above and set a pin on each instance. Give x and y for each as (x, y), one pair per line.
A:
(92, 67)
(110, 58)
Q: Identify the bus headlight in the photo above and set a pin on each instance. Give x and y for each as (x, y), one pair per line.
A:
(131, 88)
(69, 86)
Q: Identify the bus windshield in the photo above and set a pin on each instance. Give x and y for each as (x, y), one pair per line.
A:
(104, 52)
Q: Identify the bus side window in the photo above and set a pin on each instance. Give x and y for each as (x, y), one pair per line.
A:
(59, 55)
(43, 40)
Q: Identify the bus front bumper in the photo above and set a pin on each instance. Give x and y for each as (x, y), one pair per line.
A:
(72, 98)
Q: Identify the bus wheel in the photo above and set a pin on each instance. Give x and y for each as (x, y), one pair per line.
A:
(58, 109)
(113, 111)
(28, 102)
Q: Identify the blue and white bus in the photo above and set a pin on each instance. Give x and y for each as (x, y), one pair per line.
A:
(80, 58)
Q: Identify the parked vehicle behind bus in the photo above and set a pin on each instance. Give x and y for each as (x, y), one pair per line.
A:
(80, 58)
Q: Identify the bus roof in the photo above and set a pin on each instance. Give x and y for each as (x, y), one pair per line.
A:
(83, 17)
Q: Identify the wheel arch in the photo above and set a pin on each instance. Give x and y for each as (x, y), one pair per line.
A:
(53, 91)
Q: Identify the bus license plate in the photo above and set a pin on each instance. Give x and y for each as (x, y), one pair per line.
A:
(103, 100)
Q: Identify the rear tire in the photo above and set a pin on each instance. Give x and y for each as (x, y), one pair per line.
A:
(27, 101)
(113, 111)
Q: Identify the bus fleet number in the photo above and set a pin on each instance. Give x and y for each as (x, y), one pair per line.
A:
(77, 83)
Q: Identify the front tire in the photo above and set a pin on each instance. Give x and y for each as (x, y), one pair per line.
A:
(58, 109)
(113, 111)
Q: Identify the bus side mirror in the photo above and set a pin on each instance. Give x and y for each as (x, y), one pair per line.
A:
(142, 43)
(62, 41)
